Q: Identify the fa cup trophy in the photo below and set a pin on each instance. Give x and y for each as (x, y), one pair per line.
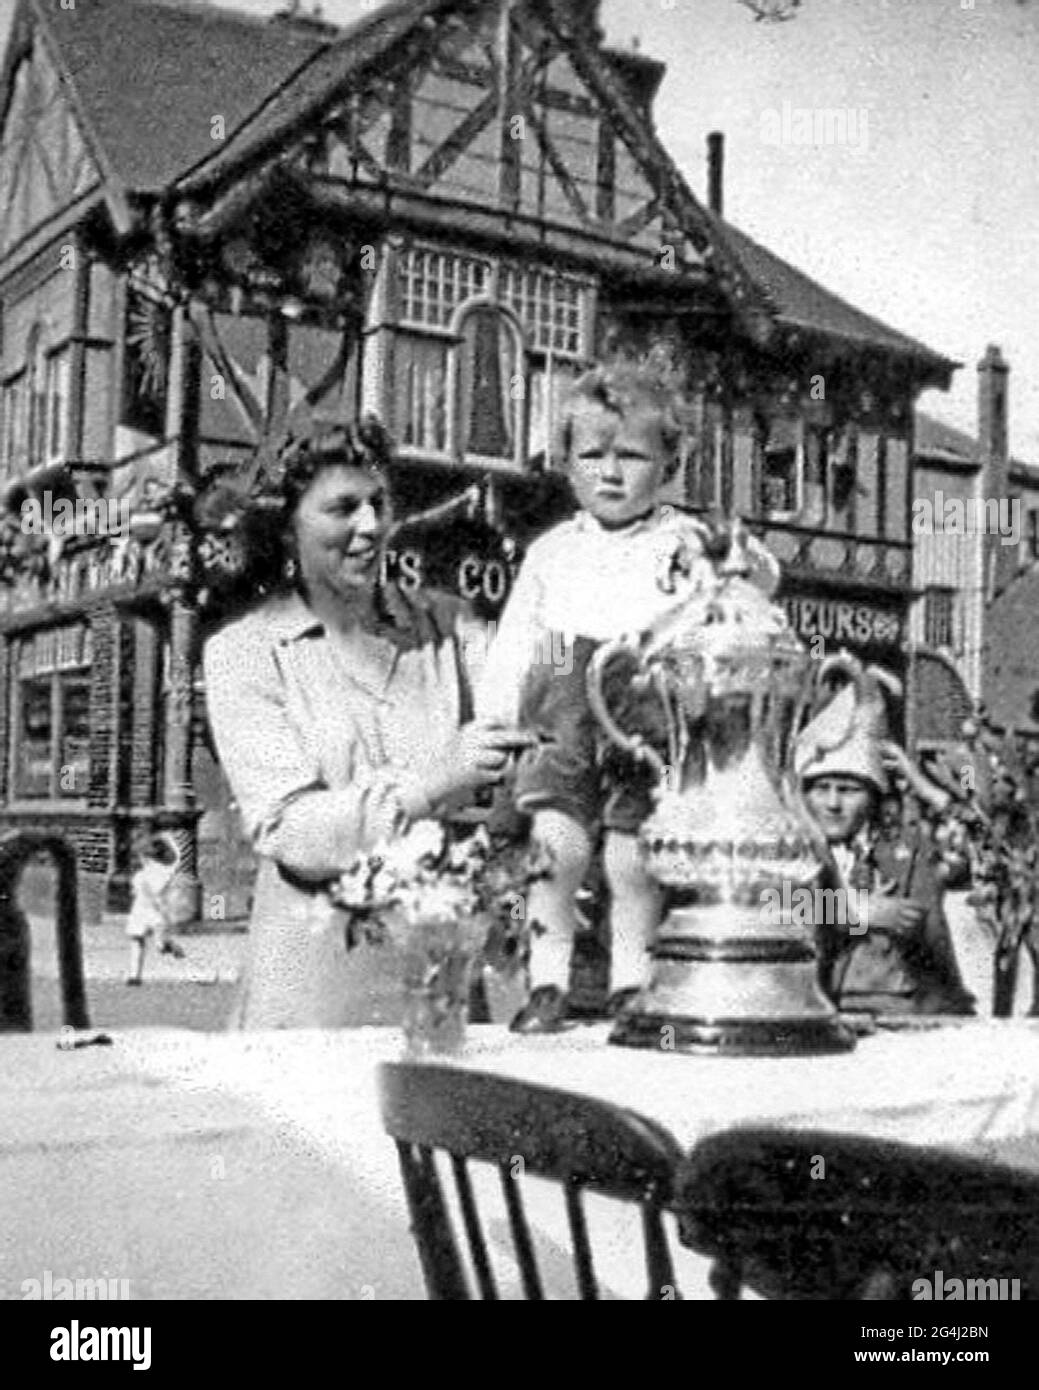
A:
(730, 974)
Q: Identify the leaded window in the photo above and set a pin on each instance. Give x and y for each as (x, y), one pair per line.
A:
(51, 713)
(434, 283)
(547, 305)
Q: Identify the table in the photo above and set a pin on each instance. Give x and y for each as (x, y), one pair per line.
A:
(255, 1166)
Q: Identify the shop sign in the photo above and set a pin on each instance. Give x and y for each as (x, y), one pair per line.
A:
(479, 569)
(845, 624)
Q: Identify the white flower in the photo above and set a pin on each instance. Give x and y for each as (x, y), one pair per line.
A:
(420, 845)
(352, 888)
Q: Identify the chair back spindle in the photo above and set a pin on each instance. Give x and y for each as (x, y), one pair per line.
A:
(584, 1145)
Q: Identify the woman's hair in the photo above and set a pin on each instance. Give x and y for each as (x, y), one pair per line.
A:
(622, 383)
(360, 444)
(259, 526)
(160, 849)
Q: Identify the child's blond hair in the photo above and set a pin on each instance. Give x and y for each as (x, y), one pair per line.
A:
(620, 383)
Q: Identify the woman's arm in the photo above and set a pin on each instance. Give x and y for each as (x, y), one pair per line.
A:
(290, 815)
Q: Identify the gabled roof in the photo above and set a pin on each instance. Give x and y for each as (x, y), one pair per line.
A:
(934, 439)
(150, 76)
(800, 302)
(316, 84)
(943, 443)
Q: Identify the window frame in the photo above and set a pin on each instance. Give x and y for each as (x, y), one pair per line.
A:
(27, 433)
(1032, 550)
(454, 370)
(503, 282)
(56, 675)
(798, 461)
(11, 388)
(949, 594)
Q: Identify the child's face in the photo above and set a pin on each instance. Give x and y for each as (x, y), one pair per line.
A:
(840, 806)
(617, 462)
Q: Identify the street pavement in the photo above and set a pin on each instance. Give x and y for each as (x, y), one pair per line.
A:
(194, 992)
(197, 992)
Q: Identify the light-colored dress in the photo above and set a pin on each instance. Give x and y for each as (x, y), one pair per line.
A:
(320, 736)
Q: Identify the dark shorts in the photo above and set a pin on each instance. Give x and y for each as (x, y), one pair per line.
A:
(577, 770)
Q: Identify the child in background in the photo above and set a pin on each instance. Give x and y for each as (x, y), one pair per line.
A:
(149, 911)
(617, 566)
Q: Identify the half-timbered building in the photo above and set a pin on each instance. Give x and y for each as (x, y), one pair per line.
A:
(212, 224)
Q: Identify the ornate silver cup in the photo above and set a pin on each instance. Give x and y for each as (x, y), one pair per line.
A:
(728, 838)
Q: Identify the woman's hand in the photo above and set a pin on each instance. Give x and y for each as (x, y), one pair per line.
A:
(477, 756)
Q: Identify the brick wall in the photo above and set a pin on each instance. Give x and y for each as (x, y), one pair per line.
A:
(101, 792)
(142, 736)
(97, 842)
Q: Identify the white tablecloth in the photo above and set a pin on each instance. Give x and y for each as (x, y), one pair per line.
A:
(972, 1086)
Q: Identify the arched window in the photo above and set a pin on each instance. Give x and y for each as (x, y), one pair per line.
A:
(490, 387)
(480, 356)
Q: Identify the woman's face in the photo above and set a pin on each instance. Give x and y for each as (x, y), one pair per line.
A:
(339, 525)
(840, 806)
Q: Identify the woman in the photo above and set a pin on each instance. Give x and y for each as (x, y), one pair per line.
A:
(336, 707)
(900, 958)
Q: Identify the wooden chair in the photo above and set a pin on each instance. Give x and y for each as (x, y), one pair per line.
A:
(15, 955)
(582, 1144)
(817, 1215)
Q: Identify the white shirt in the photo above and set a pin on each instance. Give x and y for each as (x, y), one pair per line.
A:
(581, 579)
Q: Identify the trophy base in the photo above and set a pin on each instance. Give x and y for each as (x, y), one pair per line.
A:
(734, 1037)
(726, 983)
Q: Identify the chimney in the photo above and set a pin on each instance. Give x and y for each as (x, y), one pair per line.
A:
(992, 412)
(994, 480)
(715, 171)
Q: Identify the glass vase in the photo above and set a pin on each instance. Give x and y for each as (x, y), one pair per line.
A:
(437, 961)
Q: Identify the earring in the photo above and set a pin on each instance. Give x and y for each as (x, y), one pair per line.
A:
(290, 569)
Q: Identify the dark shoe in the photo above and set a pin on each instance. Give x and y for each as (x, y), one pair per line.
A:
(170, 948)
(544, 1012)
(620, 999)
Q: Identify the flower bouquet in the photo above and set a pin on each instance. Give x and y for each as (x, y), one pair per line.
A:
(443, 903)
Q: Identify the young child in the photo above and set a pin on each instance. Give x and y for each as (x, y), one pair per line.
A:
(148, 911)
(901, 959)
(614, 568)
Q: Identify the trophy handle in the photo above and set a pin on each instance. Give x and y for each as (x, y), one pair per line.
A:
(634, 744)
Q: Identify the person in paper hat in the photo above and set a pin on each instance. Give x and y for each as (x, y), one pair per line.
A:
(893, 951)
